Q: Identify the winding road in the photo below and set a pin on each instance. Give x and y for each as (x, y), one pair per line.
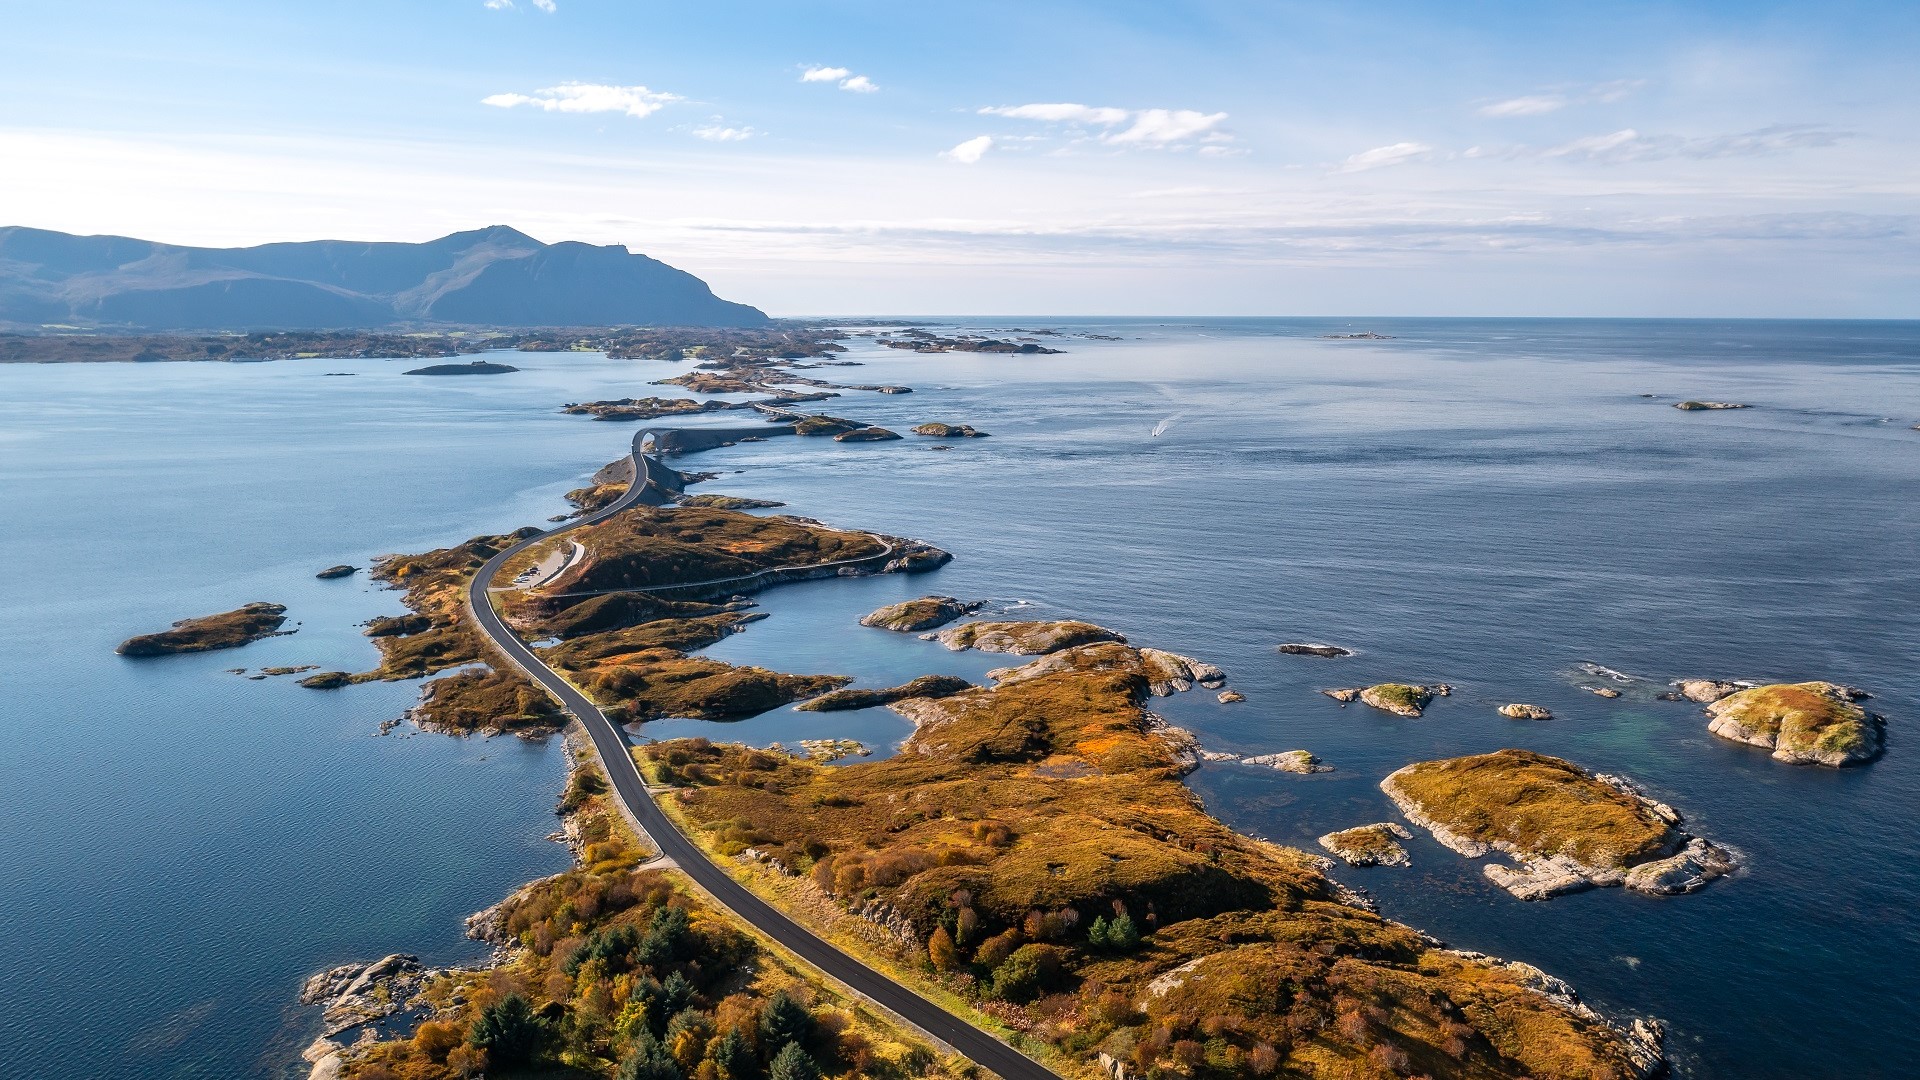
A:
(616, 757)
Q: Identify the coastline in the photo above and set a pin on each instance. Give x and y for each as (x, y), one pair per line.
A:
(1636, 1036)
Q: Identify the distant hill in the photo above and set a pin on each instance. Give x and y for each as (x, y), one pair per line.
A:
(491, 277)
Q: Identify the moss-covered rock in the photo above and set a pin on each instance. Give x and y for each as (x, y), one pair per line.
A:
(824, 425)
(1370, 845)
(1810, 723)
(1568, 829)
(1401, 699)
(925, 613)
(926, 686)
(327, 680)
(1025, 638)
(227, 630)
(866, 434)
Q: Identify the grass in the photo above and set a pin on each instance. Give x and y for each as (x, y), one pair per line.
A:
(1540, 805)
(1019, 814)
(651, 546)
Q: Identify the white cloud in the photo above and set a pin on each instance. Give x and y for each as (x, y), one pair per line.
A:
(716, 132)
(1628, 144)
(1061, 113)
(1537, 105)
(499, 5)
(1381, 157)
(970, 151)
(1145, 127)
(1162, 126)
(547, 6)
(637, 101)
(858, 84)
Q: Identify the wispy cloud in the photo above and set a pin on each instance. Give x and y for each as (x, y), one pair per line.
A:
(1123, 127)
(1554, 100)
(1627, 144)
(970, 151)
(1381, 157)
(845, 77)
(717, 132)
(636, 101)
(548, 6)
(1536, 105)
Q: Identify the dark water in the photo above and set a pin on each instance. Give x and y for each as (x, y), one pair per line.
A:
(1482, 502)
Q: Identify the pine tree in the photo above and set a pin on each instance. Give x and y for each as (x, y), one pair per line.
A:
(1097, 933)
(649, 1061)
(509, 1032)
(793, 1063)
(1122, 934)
(784, 1020)
(732, 1054)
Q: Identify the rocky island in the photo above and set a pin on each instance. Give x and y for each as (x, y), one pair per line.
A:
(1370, 845)
(949, 431)
(1567, 829)
(1400, 699)
(227, 630)
(1024, 638)
(473, 367)
(922, 614)
(339, 571)
(1313, 648)
(1810, 723)
(1707, 406)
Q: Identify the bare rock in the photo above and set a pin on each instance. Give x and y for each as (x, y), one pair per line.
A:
(1526, 712)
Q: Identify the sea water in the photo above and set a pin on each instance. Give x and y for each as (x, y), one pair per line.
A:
(1486, 503)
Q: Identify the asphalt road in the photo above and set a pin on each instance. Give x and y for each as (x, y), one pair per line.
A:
(983, 1049)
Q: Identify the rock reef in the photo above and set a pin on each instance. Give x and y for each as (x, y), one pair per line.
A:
(1810, 723)
(1566, 828)
(949, 431)
(925, 613)
(1702, 406)
(227, 630)
(1313, 648)
(340, 571)
(1519, 711)
(1025, 638)
(1370, 845)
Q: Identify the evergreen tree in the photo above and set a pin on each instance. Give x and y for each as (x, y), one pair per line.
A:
(675, 994)
(732, 1055)
(784, 1020)
(649, 1061)
(1097, 933)
(668, 937)
(509, 1032)
(1122, 934)
(793, 1063)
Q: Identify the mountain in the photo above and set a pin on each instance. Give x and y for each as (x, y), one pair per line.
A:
(489, 277)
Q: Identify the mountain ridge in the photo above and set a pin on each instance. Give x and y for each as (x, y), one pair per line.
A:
(495, 276)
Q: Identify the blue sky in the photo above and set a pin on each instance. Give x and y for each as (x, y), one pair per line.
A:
(1034, 157)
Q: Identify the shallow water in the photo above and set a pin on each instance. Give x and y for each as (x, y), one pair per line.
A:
(1482, 502)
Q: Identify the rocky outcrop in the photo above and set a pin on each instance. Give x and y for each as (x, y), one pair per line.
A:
(865, 434)
(1370, 845)
(1024, 638)
(1313, 648)
(1400, 699)
(473, 367)
(925, 613)
(914, 557)
(1290, 761)
(1526, 712)
(1699, 406)
(1567, 829)
(1704, 690)
(1170, 673)
(327, 680)
(926, 686)
(339, 571)
(950, 431)
(1810, 723)
(728, 502)
(1229, 697)
(354, 994)
(227, 630)
(1602, 691)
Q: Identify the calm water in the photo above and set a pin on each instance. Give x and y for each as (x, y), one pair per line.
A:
(1487, 503)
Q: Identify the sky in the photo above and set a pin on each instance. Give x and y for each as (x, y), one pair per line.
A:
(1177, 157)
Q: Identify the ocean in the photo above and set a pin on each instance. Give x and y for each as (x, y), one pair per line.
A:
(1493, 504)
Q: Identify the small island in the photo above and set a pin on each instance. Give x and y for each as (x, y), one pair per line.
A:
(1567, 828)
(1706, 406)
(1400, 699)
(1314, 648)
(1370, 845)
(925, 613)
(227, 630)
(926, 686)
(950, 431)
(475, 367)
(1810, 723)
(1519, 711)
(340, 571)
(866, 434)
(1025, 638)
